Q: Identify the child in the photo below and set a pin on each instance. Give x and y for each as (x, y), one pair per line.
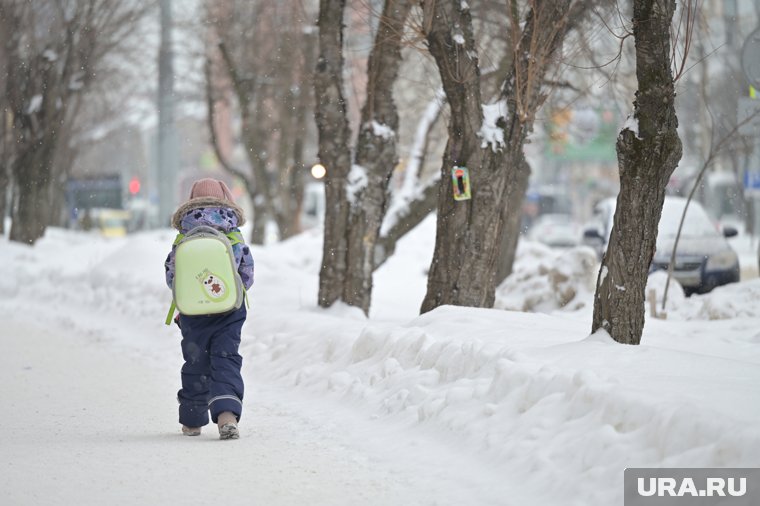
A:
(211, 379)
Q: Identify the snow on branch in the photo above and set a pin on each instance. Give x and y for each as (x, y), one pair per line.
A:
(491, 132)
(357, 181)
(381, 130)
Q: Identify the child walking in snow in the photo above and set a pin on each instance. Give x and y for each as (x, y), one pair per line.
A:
(211, 379)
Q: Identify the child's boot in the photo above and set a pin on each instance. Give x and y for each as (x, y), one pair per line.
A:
(228, 428)
(191, 431)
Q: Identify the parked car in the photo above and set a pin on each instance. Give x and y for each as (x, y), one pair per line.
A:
(704, 258)
(555, 230)
(111, 222)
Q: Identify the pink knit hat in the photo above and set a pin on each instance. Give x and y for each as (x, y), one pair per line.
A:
(208, 187)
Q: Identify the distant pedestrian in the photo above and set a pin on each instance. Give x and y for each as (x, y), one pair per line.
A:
(211, 377)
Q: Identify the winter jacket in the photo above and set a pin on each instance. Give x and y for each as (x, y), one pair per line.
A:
(218, 214)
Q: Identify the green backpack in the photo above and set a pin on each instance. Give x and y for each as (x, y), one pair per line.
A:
(206, 280)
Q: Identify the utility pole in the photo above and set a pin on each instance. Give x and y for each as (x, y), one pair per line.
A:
(167, 159)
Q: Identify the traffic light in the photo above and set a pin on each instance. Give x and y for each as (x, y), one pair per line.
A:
(134, 186)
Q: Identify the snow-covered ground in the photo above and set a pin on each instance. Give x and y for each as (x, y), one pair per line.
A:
(457, 406)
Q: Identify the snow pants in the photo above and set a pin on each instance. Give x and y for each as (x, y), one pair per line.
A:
(211, 379)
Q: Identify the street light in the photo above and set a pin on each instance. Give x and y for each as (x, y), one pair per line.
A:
(318, 171)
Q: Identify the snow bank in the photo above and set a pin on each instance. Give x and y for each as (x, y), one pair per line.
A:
(528, 389)
(546, 279)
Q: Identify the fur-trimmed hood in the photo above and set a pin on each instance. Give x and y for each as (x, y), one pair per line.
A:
(205, 202)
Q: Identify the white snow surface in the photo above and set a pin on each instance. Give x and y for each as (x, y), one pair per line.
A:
(457, 406)
(632, 124)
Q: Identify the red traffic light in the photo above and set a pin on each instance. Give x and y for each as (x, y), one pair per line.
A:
(134, 186)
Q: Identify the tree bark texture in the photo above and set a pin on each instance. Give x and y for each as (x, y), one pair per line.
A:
(375, 154)
(471, 234)
(468, 232)
(5, 182)
(334, 148)
(6, 153)
(646, 159)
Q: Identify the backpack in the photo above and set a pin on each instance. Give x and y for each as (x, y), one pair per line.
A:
(206, 280)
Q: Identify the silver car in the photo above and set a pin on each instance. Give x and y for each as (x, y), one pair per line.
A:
(704, 258)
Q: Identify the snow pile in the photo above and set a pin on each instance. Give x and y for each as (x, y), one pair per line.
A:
(656, 287)
(736, 300)
(545, 279)
(528, 389)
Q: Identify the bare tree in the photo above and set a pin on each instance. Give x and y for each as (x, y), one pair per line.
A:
(356, 190)
(488, 140)
(262, 53)
(53, 53)
(648, 151)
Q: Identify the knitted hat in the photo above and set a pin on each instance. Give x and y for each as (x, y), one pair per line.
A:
(208, 187)
(204, 193)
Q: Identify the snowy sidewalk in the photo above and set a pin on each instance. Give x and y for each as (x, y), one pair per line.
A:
(86, 425)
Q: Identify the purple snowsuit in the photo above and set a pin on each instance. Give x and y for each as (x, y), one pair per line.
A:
(211, 379)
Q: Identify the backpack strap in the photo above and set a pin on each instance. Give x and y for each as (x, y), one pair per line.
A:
(178, 239)
(235, 237)
(169, 316)
(173, 306)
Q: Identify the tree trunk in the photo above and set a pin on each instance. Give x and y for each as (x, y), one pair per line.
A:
(298, 58)
(334, 153)
(513, 213)
(4, 192)
(32, 174)
(468, 232)
(646, 159)
(375, 155)
(472, 232)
